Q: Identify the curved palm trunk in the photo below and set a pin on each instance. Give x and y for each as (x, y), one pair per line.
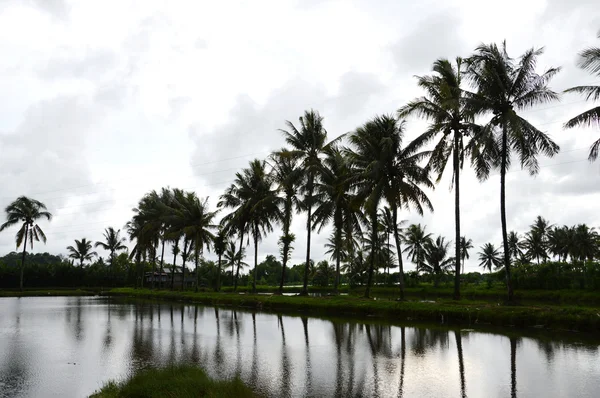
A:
(308, 232)
(503, 213)
(23, 258)
(456, 216)
(162, 256)
(237, 272)
(399, 250)
(373, 251)
(255, 258)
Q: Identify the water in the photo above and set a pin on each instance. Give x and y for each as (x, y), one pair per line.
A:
(70, 346)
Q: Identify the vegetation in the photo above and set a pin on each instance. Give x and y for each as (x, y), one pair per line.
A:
(356, 184)
(174, 381)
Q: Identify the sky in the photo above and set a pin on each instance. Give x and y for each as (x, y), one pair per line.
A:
(101, 102)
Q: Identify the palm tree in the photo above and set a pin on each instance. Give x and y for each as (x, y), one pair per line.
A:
(26, 211)
(385, 169)
(436, 258)
(535, 245)
(416, 239)
(447, 108)
(589, 59)
(254, 200)
(82, 251)
(220, 245)
(135, 231)
(490, 256)
(233, 257)
(286, 175)
(113, 243)
(307, 144)
(386, 221)
(504, 87)
(336, 202)
(465, 246)
(559, 242)
(515, 246)
(198, 226)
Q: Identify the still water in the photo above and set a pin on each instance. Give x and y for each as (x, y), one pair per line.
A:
(70, 346)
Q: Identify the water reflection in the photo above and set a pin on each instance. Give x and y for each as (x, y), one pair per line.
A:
(41, 340)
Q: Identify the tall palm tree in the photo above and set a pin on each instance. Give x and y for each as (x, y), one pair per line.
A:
(255, 201)
(26, 211)
(504, 87)
(82, 251)
(233, 257)
(416, 239)
(490, 256)
(384, 169)
(307, 143)
(535, 245)
(386, 221)
(465, 246)
(336, 202)
(113, 242)
(136, 232)
(589, 60)
(220, 245)
(286, 175)
(451, 123)
(198, 226)
(436, 258)
(559, 242)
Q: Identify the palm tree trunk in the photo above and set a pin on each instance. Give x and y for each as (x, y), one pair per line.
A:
(173, 268)
(338, 242)
(137, 268)
(503, 213)
(373, 251)
(219, 273)
(154, 263)
(286, 249)
(23, 257)
(183, 261)
(399, 250)
(461, 363)
(457, 215)
(237, 272)
(196, 254)
(162, 256)
(255, 258)
(304, 291)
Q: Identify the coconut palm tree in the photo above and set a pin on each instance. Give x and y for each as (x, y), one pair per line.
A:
(386, 222)
(490, 256)
(307, 143)
(589, 60)
(416, 239)
(465, 246)
(113, 242)
(515, 245)
(436, 258)
(255, 201)
(26, 211)
(233, 257)
(82, 251)
(336, 203)
(286, 175)
(451, 123)
(560, 242)
(384, 169)
(220, 245)
(198, 226)
(135, 231)
(535, 245)
(506, 86)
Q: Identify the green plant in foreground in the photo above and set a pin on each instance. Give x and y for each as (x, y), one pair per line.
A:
(176, 381)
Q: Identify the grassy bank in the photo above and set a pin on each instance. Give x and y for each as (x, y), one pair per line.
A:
(585, 319)
(179, 381)
(49, 292)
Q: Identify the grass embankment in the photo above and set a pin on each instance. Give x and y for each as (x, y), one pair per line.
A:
(49, 292)
(441, 311)
(495, 293)
(178, 381)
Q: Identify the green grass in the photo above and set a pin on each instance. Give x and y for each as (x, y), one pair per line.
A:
(179, 381)
(49, 292)
(564, 317)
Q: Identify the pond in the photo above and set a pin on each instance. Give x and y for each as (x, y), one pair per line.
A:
(70, 346)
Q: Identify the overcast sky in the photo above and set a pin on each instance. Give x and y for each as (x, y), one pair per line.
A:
(101, 102)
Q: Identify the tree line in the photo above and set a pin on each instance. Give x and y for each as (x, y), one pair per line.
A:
(359, 182)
